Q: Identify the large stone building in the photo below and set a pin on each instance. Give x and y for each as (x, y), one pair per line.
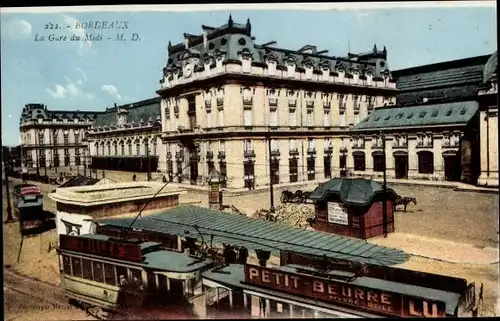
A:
(488, 123)
(127, 137)
(53, 139)
(435, 129)
(223, 98)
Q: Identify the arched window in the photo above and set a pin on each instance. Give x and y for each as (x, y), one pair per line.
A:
(115, 148)
(129, 144)
(96, 147)
(108, 148)
(153, 146)
(137, 147)
(102, 149)
(378, 161)
(122, 148)
(359, 161)
(425, 162)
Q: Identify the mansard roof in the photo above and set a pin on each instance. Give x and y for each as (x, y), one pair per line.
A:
(32, 112)
(454, 113)
(232, 39)
(490, 69)
(450, 80)
(144, 110)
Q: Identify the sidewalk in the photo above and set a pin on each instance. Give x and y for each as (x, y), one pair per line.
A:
(457, 186)
(439, 249)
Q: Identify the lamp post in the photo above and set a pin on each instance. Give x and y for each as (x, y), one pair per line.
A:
(7, 191)
(271, 189)
(215, 190)
(384, 204)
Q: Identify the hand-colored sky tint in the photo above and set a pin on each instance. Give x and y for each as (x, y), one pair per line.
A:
(93, 75)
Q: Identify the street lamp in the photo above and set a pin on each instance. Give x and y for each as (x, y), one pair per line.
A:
(384, 203)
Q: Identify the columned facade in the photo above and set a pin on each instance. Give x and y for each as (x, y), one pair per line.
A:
(222, 106)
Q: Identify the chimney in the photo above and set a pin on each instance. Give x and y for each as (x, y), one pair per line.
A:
(186, 43)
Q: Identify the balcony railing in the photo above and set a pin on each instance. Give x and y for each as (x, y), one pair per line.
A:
(328, 149)
(292, 103)
(275, 152)
(220, 103)
(222, 155)
(310, 103)
(311, 151)
(210, 154)
(249, 153)
(294, 152)
(273, 101)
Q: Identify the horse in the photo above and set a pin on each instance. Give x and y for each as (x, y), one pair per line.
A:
(404, 201)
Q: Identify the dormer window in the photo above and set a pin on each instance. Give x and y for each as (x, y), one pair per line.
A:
(325, 72)
(290, 65)
(462, 112)
(309, 70)
(435, 113)
(398, 116)
(448, 113)
(341, 75)
(369, 78)
(246, 61)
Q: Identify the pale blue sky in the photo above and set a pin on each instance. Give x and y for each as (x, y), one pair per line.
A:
(91, 76)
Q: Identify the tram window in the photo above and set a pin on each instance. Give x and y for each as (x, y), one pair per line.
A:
(98, 272)
(121, 273)
(136, 277)
(67, 265)
(87, 269)
(77, 266)
(109, 274)
(279, 307)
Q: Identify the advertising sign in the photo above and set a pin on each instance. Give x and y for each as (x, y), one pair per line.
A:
(342, 293)
(118, 250)
(337, 214)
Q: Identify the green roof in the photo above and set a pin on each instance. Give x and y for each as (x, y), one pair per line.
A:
(253, 234)
(352, 191)
(456, 113)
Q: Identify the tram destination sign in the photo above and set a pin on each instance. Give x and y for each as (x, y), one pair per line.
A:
(336, 292)
(113, 249)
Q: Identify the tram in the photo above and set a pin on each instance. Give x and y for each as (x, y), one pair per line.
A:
(28, 206)
(110, 276)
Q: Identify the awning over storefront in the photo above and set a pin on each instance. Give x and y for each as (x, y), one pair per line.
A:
(445, 114)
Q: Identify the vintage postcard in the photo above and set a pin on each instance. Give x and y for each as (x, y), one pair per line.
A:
(328, 160)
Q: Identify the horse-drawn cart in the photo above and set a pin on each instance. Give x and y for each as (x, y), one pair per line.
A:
(297, 197)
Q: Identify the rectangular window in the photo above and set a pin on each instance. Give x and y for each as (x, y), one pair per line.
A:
(326, 119)
(311, 173)
(273, 118)
(248, 145)
(247, 115)
(98, 270)
(67, 265)
(293, 144)
(121, 274)
(274, 145)
(209, 119)
(342, 119)
(220, 119)
(378, 163)
(136, 277)
(87, 269)
(310, 119)
(222, 146)
(359, 162)
(77, 266)
(109, 274)
(310, 143)
(292, 118)
(66, 138)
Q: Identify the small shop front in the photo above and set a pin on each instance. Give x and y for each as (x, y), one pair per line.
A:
(292, 291)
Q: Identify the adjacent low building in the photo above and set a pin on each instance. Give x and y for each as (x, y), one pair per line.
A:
(438, 129)
(127, 137)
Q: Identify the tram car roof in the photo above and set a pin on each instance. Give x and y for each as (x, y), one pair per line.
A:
(154, 256)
